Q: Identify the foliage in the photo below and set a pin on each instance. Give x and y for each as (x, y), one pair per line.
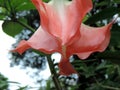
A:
(3, 82)
(99, 71)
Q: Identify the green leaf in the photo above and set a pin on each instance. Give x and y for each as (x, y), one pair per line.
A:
(12, 28)
(2, 17)
(2, 10)
(117, 1)
(104, 14)
(48, 85)
(25, 6)
(115, 36)
(115, 39)
(112, 56)
(103, 3)
(21, 5)
(46, 0)
(3, 13)
(2, 2)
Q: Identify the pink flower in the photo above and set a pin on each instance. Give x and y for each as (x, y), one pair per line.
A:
(62, 31)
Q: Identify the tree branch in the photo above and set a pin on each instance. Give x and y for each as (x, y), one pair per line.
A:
(53, 73)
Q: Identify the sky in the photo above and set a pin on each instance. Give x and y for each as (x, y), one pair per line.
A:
(15, 73)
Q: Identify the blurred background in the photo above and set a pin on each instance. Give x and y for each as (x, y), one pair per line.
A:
(30, 71)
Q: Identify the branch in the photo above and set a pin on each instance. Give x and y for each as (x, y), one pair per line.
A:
(25, 25)
(53, 73)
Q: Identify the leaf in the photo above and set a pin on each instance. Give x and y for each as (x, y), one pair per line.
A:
(104, 14)
(2, 2)
(103, 3)
(2, 17)
(3, 13)
(46, 0)
(2, 10)
(25, 6)
(12, 28)
(115, 39)
(115, 36)
(109, 55)
(21, 5)
(48, 85)
(117, 1)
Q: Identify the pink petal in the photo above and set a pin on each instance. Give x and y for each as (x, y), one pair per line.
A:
(83, 6)
(91, 40)
(41, 41)
(66, 68)
(63, 25)
(21, 47)
(84, 55)
(48, 16)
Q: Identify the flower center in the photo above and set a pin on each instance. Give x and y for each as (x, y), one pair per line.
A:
(64, 50)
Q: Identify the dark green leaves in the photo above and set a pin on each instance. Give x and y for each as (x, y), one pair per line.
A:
(12, 28)
(25, 6)
(22, 5)
(117, 1)
(3, 82)
(12, 11)
(10, 8)
(106, 13)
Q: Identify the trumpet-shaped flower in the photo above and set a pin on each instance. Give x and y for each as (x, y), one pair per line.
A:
(62, 31)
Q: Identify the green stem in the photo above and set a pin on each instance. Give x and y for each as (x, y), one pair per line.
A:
(25, 25)
(10, 5)
(12, 11)
(54, 74)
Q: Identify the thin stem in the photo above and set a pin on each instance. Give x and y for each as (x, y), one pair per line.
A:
(10, 5)
(25, 25)
(12, 11)
(53, 73)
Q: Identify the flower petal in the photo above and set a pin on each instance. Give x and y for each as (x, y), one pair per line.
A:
(66, 68)
(62, 21)
(41, 41)
(49, 18)
(83, 6)
(21, 47)
(84, 55)
(74, 15)
(91, 40)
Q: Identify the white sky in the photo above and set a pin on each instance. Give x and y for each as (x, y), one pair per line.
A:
(14, 73)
